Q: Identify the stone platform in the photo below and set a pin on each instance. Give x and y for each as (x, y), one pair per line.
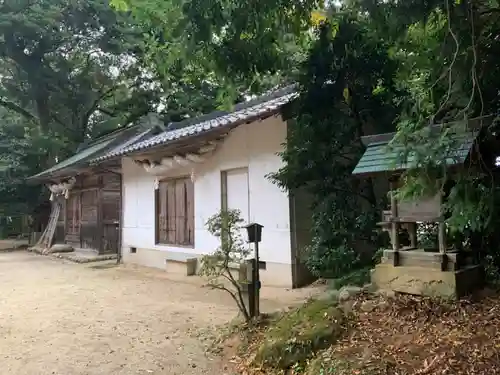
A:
(84, 256)
(75, 255)
(417, 272)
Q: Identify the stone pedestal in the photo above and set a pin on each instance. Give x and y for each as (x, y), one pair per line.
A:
(428, 274)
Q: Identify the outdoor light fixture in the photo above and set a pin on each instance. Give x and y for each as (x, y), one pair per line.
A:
(254, 232)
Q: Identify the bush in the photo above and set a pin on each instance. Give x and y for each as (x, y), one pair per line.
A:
(216, 267)
(331, 263)
(359, 277)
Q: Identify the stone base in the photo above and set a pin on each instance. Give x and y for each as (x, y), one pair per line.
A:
(427, 281)
(60, 248)
(84, 256)
(275, 274)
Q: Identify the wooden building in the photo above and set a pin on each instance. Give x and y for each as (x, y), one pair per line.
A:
(175, 181)
(90, 216)
(86, 196)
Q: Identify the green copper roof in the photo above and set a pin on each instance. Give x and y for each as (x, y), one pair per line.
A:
(76, 159)
(381, 157)
(99, 147)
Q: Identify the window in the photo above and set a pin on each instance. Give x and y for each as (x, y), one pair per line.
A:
(175, 212)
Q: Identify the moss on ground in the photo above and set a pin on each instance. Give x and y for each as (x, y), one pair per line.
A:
(297, 335)
(322, 365)
(326, 363)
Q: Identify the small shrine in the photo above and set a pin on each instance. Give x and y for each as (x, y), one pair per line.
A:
(443, 271)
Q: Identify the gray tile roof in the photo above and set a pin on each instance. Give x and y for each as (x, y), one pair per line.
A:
(259, 108)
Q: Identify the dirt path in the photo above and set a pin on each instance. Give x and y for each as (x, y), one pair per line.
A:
(67, 319)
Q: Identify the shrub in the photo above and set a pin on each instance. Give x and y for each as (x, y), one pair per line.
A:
(216, 267)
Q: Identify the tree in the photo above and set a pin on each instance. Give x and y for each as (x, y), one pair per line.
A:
(239, 46)
(217, 267)
(450, 53)
(19, 156)
(347, 88)
(68, 73)
(69, 67)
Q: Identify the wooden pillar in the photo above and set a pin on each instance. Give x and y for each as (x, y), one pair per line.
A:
(441, 229)
(394, 222)
(100, 224)
(64, 209)
(442, 237)
(394, 218)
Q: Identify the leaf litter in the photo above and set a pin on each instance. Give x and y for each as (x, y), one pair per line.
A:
(411, 335)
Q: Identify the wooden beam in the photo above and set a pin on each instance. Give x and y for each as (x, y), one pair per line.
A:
(167, 162)
(100, 224)
(181, 161)
(195, 158)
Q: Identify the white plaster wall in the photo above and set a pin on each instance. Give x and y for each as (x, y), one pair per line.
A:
(253, 146)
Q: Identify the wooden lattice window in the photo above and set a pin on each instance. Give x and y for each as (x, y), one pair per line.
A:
(175, 212)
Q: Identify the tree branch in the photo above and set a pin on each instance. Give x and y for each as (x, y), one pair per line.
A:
(16, 108)
(231, 293)
(95, 106)
(490, 11)
(106, 111)
(236, 285)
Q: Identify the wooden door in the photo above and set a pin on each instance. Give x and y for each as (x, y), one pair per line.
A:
(73, 219)
(89, 231)
(110, 221)
(175, 212)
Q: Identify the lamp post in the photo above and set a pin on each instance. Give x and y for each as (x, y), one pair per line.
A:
(254, 231)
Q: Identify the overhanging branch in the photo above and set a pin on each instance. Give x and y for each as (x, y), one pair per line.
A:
(16, 108)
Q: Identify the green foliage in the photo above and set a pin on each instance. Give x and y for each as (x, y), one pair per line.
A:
(427, 235)
(346, 88)
(218, 267)
(68, 84)
(297, 335)
(237, 45)
(359, 277)
(469, 205)
(68, 74)
(451, 69)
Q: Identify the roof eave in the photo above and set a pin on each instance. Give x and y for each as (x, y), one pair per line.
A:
(206, 134)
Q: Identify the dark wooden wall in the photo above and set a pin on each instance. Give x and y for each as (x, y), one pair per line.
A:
(90, 216)
(110, 209)
(60, 233)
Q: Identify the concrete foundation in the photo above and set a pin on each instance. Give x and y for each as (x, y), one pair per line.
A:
(275, 274)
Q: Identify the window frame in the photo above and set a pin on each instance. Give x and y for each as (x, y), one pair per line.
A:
(191, 213)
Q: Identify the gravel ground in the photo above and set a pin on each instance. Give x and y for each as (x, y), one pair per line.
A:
(67, 319)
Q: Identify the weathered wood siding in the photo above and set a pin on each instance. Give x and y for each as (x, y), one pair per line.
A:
(92, 213)
(110, 206)
(60, 233)
(73, 219)
(89, 237)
